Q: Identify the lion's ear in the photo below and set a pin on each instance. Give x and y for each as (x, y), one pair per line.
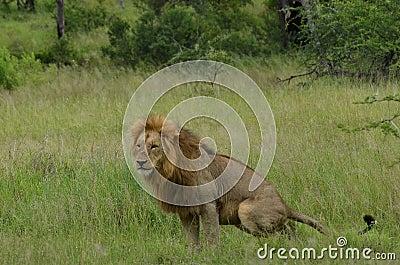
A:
(170, 146)
(170, 131)
(170, 138)
(137, 129)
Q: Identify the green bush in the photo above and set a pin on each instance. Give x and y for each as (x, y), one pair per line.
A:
(15, 72)
(120, 49)
(62, 52)
(9, 75)
(83, 17)
(175, 32)
(165, 34)
(354, 38)
(154, 40)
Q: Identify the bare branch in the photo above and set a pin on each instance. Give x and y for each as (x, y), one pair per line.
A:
(295, 76)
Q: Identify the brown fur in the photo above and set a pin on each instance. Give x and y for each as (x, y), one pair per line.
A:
(259, 212)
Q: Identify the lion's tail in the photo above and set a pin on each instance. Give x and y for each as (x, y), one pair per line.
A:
(302, 218)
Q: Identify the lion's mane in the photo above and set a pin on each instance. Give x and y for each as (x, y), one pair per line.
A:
(175, 139)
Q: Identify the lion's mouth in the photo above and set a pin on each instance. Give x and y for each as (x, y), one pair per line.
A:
(145, 172)
(143, 168)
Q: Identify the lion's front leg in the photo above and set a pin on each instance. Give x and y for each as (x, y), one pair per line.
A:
(191, 227)
(210, 222)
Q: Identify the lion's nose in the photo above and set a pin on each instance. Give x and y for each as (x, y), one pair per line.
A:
(141, 162)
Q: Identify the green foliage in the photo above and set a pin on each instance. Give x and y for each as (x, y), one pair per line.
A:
(120, 37)
(159, 5)
(173, 33)
(15, 72)
(386, 125)
(166, 33)
(9, 75)
(373, 99)
(354, 38)
(61, 52)
(83, 17)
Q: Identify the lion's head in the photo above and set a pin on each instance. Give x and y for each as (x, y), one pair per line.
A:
(159, 144)
(149, 138)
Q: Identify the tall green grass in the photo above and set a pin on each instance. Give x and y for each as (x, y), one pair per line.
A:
(67, 197)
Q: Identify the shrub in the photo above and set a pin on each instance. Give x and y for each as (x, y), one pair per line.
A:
(9, 75)
(175, 31)
(120, 49)
(168, 33)
(354, 38)
(15, 72)
(83, 17)
(62, 52)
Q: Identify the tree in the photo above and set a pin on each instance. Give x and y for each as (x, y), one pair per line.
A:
(21, 4)
(60, 18)
(354, 38)
(27, 4)
(291, 19)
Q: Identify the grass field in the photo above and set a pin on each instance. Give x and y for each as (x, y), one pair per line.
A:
(67, 196)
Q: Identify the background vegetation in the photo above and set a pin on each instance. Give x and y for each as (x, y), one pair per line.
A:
(66, 195)
(353, 38)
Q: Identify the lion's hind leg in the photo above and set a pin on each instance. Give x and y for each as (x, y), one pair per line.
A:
(258, 219)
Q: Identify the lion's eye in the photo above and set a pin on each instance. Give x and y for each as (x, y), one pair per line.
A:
(138, 146)
(154, 146)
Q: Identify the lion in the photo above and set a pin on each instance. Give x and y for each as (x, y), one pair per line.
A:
(260, 212)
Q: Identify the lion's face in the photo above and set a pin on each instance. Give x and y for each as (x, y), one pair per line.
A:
(148, 153)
